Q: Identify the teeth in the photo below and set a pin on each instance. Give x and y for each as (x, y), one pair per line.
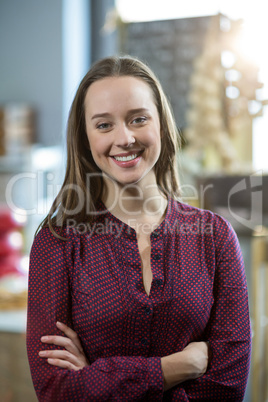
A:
(125, 158)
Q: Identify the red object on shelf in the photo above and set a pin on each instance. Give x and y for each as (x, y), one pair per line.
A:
(10, 265)
(10, 243)
(8, 220)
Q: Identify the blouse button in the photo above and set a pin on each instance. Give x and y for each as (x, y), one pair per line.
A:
(154, 235)
(144, 341)
(157, 257)
(158, 282)
(147, 310)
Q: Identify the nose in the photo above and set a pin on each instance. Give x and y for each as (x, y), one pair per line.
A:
(124, 137)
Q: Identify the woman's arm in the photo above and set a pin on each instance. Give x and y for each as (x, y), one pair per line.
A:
(49, 301)
(228, 330)
(189, 364)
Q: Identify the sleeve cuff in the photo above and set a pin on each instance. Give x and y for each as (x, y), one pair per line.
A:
(155, 379)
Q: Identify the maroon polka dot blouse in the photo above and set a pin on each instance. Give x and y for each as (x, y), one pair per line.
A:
(93, 283)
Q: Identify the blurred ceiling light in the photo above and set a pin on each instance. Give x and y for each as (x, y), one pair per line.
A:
(24, 263)
(140, 10)
(232, 75)
(232, 92)
(20, 216)
(149, 10)
(16, 240)
(47, 158)
(254, 107)
(227, 59)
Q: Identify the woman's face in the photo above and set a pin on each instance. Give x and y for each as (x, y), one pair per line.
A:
(123, 129)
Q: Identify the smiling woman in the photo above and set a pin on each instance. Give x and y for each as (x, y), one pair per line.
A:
(119, 107)
(149, 301)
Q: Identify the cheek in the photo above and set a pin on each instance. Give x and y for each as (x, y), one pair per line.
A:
(151, 137)
(155, 141)
(95, 144)
(99, 149)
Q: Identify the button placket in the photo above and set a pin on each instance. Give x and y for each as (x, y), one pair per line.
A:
(157, 264)
(143, 324)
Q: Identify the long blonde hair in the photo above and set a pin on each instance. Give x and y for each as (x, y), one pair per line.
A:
(80, 163)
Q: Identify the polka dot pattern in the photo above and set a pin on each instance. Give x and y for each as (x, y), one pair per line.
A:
(93, 283)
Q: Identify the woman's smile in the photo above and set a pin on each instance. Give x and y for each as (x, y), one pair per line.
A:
(127, 160)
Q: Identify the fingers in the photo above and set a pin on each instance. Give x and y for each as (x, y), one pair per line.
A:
(72, 357)
(61, 341)
(71, 342)
(70, 333)
(64, 359)
(61, 358)
(63, 364)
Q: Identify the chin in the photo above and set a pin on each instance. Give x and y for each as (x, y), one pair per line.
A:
(126, 178)
(127, 182)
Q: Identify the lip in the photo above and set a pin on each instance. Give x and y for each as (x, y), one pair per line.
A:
(130, 163)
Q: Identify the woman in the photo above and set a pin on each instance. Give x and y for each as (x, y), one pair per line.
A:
(133, 295)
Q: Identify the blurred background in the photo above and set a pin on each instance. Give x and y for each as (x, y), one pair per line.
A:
(212, 60)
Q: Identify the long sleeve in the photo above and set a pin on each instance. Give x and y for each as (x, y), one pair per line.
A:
(228, 328)
(113, 378)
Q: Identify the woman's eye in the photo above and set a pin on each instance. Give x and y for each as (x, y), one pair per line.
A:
(139, 120)
(103, 126)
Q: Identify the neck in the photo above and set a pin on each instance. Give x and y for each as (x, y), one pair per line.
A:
(141, 201)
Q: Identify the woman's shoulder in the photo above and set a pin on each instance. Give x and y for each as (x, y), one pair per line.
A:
(192, 214)
(187, 210)
(212, 227)
(55, 236)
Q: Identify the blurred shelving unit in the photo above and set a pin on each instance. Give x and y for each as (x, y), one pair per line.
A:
(29, 180)
(260, 315)
(243, 201)
(15, 378)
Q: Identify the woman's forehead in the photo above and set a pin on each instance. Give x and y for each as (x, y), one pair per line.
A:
(123, 91)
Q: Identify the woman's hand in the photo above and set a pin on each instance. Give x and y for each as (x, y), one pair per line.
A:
(198, 355)
(189, 364)
(73, 357)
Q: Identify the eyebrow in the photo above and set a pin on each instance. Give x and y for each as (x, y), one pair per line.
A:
(96, 116)
(129, 113)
